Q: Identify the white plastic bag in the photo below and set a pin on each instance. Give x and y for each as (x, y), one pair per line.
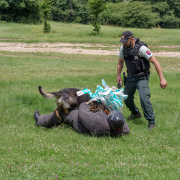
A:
(111, 98)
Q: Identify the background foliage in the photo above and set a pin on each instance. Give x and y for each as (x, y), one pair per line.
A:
(22, 11)
(96, 7)
(133, 13)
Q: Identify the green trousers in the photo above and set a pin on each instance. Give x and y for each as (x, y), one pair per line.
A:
(142, 85)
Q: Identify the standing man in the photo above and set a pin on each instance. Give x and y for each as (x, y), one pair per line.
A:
(137, 56)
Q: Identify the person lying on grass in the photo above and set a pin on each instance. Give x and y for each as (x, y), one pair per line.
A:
(85, 120)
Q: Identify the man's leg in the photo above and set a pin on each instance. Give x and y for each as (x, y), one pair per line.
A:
(144, 94)
(48, 120)
(130, 90)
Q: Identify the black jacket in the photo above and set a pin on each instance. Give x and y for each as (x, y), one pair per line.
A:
(83, 121)
(134, 63)
(93, 123)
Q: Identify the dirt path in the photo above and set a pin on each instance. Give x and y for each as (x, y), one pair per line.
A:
(69, 48)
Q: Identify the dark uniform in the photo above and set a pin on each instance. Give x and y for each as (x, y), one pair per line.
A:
(83, 121)
(138, 66)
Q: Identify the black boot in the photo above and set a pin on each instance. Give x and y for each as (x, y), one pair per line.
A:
(47, 120)
(36, 116)
(134, 115)
(151, 125)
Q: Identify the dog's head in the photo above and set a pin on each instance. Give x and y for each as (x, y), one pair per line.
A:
(96, 106)
(83, 98)
(65, 98)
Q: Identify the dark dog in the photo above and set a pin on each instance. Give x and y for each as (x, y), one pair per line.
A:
(96, 106)
(65, 99)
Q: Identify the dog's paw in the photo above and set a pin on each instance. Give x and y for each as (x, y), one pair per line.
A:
(57, 115)
(66, 111)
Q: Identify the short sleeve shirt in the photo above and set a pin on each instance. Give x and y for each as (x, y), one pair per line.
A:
(143, 52)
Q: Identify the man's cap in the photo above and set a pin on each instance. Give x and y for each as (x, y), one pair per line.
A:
(125, 36)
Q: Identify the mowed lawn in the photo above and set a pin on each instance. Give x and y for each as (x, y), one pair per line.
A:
(30, 152)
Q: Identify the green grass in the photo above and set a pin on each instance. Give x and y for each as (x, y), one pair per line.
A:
(30, 152)
(78, 33)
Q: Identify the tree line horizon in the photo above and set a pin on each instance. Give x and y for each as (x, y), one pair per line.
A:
(133, 13)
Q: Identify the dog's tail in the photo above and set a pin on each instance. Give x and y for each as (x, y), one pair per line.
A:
(46, 94)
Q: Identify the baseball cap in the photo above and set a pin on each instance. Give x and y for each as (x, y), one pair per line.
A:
(125, 36)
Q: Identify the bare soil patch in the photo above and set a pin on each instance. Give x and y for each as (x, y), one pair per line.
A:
(77, 48)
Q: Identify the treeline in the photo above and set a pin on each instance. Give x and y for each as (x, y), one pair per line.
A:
(132, 13)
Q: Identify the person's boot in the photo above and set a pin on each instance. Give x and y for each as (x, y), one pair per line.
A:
(36, 116)
(134, 115)
(47, 120)
(151, 125)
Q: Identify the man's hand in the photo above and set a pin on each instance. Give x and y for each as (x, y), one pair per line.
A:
(163, 83)
(119, 80)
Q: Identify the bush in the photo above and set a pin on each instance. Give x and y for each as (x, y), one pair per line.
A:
(47, 27)
(70, 11)
(46, 11)
(139, 15)
(113, 14)
(97, 7)
(131, 14)
(18, 11)
(170, 21)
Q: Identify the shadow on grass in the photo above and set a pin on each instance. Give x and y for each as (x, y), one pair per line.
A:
(137, 121)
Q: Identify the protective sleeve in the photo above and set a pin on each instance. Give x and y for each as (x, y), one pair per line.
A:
(94, 122)
(72, 120)
(48, 120)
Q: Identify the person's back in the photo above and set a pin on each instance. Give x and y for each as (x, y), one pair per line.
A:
(83, 121)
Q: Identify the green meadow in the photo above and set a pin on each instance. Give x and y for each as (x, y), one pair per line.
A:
(30, 152)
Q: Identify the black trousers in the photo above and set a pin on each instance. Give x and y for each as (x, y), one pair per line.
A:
(142, 85)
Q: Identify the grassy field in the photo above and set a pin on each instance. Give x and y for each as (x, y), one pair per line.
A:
(30, 152)
(78, 33)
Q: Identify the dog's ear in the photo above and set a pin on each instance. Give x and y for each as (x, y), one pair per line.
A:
(46, 94)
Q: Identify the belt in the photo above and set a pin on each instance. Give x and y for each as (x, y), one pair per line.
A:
(141, 74)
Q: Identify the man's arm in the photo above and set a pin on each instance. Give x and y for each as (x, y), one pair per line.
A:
(119, 69)
(163, 82)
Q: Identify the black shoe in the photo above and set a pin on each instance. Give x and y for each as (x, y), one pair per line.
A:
(36, 115)
(151, 126)
(134, 115)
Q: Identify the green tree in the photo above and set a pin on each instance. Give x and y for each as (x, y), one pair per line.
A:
(170, 21)
(113, 14)
(139, 15)
(97, 6)
(168, 18)
(174, 5)
(46, 10)
(23, 11)
(70, 11)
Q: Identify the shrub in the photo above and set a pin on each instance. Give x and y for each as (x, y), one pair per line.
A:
(46, 9)
(139, 15)
(70, 11)
(112, 15)
(97, 6)
(170, 21)
(18, 11)
(47, 27)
